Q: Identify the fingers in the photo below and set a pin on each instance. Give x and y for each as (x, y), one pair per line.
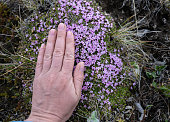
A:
(78, 78)
(68, 62)
(39, 65)
(49, 50)
(58, 53)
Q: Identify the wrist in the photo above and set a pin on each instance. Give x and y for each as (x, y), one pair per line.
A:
(38, 115)
(39, 119)
(42, 119)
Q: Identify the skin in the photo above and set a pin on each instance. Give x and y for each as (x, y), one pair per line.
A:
(56, 88)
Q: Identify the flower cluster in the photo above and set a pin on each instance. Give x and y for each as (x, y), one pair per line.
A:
(104, 69)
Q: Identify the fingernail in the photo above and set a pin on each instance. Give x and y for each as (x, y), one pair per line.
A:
(42, 45)
(69, 34)
(52, 31)
(82, 67)
(61, 26)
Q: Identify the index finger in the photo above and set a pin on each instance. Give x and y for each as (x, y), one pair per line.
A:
(68, 62)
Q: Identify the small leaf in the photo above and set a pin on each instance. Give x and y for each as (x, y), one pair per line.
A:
(132, 63)
(93, 117)
(154, 74)
(160, 68)
(148, 106)
(136, 68)
(154, 84)
(120, 120)
(149, 75)
(17, 94)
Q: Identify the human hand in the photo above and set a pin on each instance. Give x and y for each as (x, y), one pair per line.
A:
(56, 89)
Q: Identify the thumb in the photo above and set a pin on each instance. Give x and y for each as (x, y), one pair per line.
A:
(78, 78)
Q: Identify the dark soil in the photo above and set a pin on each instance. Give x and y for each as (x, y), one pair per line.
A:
(157, 23)
(157, 18)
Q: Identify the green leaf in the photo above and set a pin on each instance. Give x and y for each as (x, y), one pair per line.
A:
(148, 106)
(17, 94)
(93, 117)
(164, 89)
(154, 74)
(151, 75)
(136, 68)
(154, 84)
(166, 120)
(132, 63)
(160, 68)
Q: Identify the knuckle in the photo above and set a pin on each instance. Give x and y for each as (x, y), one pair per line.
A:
(39, 64)
(58, 53)
(56, 67)
(61, 33)
(69, 56)
(41, 52)
(60, 36)
(47, 57)
(78, 96)
(67, 70)
(79, 78)
(70, 40)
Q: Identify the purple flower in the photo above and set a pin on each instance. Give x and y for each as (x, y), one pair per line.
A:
(107, 91)
(42, 29)
(84, 88)
(115, 84)
(56, 22)
(27, 35)
(51, 20)
(34, 28)
(134, 83)
(32, 19)
(102, 97)
(44, 39)
(80, 21)
(31, 58)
